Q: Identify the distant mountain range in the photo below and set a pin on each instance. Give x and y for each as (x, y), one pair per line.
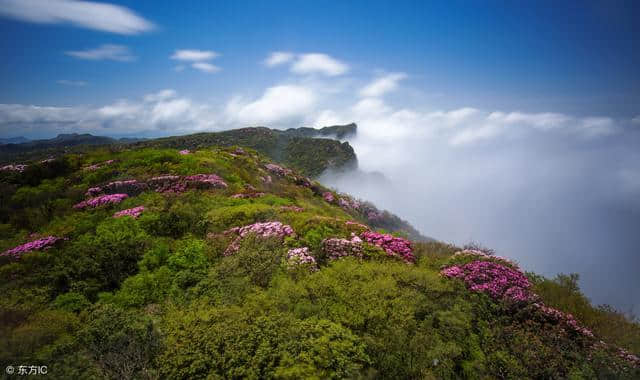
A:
(309, 150)
(14, 140)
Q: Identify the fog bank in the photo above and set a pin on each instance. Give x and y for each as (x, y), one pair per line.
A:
(555, 200)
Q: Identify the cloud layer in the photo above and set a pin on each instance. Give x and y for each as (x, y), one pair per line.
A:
(87, 14)
(104, 52)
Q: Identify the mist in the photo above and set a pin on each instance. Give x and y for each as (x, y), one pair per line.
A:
(555, 200)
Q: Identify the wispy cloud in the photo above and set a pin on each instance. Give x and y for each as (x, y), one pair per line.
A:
(104, 52)
(205, 67)
(87, 14)
(318, 63)
(194, 55)
(382, 85)
(278, 58)
(76, 83)
(199, 60)
(306, 64)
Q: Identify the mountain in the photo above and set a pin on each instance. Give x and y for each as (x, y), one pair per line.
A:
(296, 148)
(156, 262)
(13, 140)
(336, 132)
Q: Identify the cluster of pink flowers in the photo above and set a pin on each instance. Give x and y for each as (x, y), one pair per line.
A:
(337, 248)
(484, 255)
(184, 152)
(260, 229)
(629, 357)
(496, 280)
(291, 208)
(247, 195)
(36, 245)
(132, 212)
(277, 169)
(303, 181)
(374, 215)
(566, 319)
(100, 201)
(93, 191)
(301, 256)
(205, 181)
(393, 246)
(348, 203)
(13, 168)
(99, 165)
(177, 184)
(328, 197)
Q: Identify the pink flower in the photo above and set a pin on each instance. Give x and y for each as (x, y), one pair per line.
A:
(13, 168)
(337, 248)
(393, 246)
(262, 230)
(279, 170)
(132, 212)
(301, 256)
(247, 195)
(184, 151)
(496, 280)
(291, 208)
(101, 200)
(328, 197)
(36, 245)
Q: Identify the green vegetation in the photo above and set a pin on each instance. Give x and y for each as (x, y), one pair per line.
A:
(161, 295)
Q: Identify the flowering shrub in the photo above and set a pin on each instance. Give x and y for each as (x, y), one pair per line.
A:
(177, 184)
(205, 181)
(100, 201)
(394, 246)
(184, 152)
(247, 195)
(277, 169)
(301, 256)
(336, 248)
(328, 197)
(483, 255)
(348, 203)
(93, 191)
(291, 208)
(566, 319)
(36, 245)
(262, 230)
(496, 280)
(13, 168)
(132, 212)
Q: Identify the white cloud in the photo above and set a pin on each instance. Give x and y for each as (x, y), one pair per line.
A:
(278, 58)
(104, 52)
(277, 104)
(636, 120)
(382, 85)
(205, 67)
(160, 95)
(76, 83)
(194, 55)
(318, 63)
(87, 14)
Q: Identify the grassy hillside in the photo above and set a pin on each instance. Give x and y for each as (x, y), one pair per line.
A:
(218, 263)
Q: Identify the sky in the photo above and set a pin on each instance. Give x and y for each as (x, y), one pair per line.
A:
(515, 124)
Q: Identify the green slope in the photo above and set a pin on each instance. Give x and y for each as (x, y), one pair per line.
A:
(192, 287)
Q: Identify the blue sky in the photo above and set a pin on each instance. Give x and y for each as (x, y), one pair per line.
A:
(537, 57)
(515, 124)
